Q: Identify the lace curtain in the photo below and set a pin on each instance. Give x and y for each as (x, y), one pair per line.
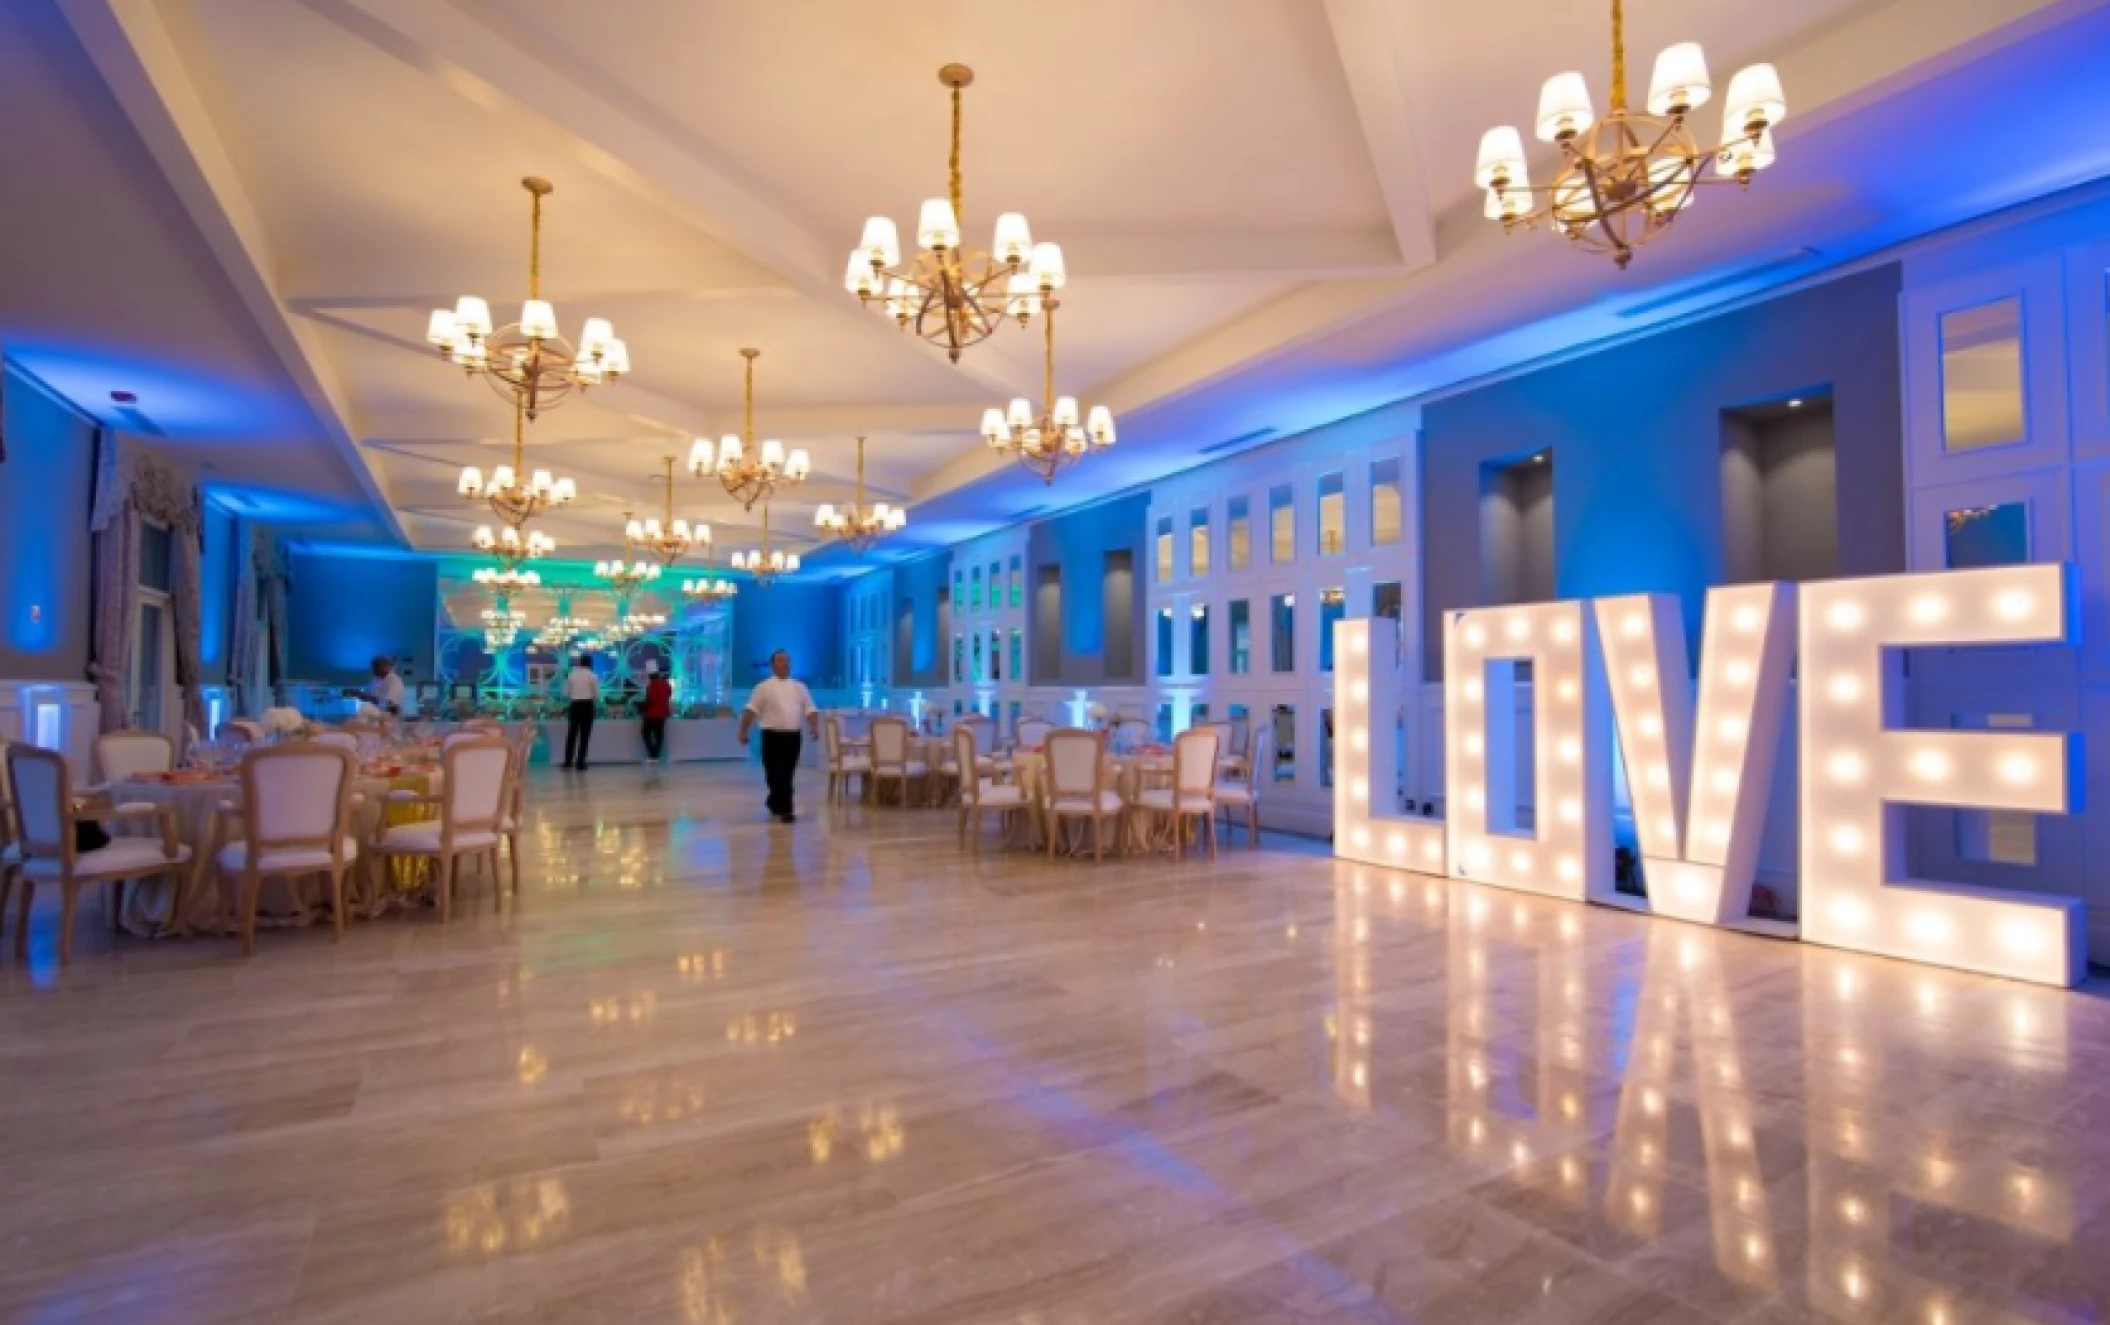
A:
(259, 605)
(132, 485)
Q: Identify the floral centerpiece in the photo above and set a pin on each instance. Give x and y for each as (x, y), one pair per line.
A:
(284, 721)
(1098, 714)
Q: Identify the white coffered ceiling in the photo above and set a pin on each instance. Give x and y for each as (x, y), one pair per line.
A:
(1266, 207)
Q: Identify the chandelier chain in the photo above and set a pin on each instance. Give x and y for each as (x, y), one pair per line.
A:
(534, 243)
(959, 216)
(1047, 391)
(1618, 56)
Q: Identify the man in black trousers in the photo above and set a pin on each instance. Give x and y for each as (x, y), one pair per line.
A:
(782, 705)
(582, 690)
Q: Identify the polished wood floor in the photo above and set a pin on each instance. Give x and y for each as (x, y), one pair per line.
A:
(714, 1070)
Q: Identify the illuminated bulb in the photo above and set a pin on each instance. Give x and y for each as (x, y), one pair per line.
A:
(2017, 770)
(2013, 605)
(1731, 728)
(1651, 725)
(1563, 631)
(1668, 828)
(1844, 616)
(1569, 750)
(1931, 765)
(1568, 869)
(1519, 627)
(1725, 780)
(1475, 800)
(1846, 766)
(1737, 673)
(1571, 811)
(1566, 691)
(1634, 624)
(1929, 927)
(2021, 938)
(1359, 742)
(1520, 861)
(1473, 690)
(1475, 745)
(1717, 833)
(1658, 775)
(1846, 840)
(1359, 692)
(1746, 618)
(1928, 608)
(1848, 913)
(1845, 688)
(1475, 636)
(1642, 678)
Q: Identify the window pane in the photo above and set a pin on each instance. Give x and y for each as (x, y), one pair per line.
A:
(1282, 632)
(1282, 525)
(156, 555)
(974, 591)
(1198, 642)
(1240, 521)
(1987, 536)
(1164, 542)
(1018, 592)
(1333, 516)
(977, 673)
(1018, 654)
(1981, 376)
(1325, 747)
(1198, 541)
(1384, 503)
(1385, 599)
(959, 657)
(1333, 605)
(1241, 637)
(1164, 641)
(1283, 737)
(996, 655)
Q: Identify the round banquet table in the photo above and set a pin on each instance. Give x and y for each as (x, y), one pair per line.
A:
(930, 751)
(1129, 775)
(149, 905)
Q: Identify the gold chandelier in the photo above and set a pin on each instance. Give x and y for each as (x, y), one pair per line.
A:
(506, 580)
(1055, 438)
(709, 590)
(630, 625)
(669, 541)
(857, 524)
(1623, 179)
(527, 361)
(625, 576)
(763, 563)
(511, 547)
(513, 495)
(749, 476)
(953, 297)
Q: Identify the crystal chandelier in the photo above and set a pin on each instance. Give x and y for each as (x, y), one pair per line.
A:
(953, 297)
(749, 476)
(1055, 438)
(514, 495)
(709, 590)
(857, 524)
(762, 563)
(527, 361)
(669, 541)
(1623, 179)
(506, 580)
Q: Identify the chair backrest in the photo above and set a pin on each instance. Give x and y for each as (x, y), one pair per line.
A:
(983, 734)
(342, 740)
(1034, 731)
(476, 773)
(832, 737)
(889, 743)
(43, 800)
(240, 731)
(1226, 744)
(483, 725)
(1258, 772)
(452, 739)
(1194, 761)
(297, 794)
(126, 754)
(963, 754)
(1074, 758)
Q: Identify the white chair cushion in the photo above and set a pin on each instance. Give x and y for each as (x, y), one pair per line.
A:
(124, 855)
(858, 764)
(913, 768)
(950, 768)
(1109, 803)
(1233, 793)
(1161, 799)
(424, 839)
(234, 858)
(1009, 798)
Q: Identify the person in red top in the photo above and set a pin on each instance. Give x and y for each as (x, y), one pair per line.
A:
(658, 707)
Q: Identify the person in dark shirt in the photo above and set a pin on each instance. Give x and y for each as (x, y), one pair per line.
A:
(657, 708)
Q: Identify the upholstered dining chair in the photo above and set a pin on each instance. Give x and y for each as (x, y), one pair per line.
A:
(1033, 731)
(842, 765)
(127, 754)
(10, 850)
(1243, 794)
(1076, 771)
(890, 756)
(475, 788)
(341, 740)
(980, 795)
(44, 816)
(241, 731)
(1228, 760)
(294, 819)
(1193, 789)
(1237, 759)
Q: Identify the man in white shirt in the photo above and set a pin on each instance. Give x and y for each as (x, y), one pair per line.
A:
(782, 705)
(385, 691)
(583, 690)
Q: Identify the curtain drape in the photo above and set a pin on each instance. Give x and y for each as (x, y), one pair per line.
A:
(132, 485)
(273, 567)
(242, 680)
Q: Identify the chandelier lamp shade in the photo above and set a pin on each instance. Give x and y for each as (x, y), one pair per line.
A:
(947, 294)
(562, 629)
(749, 474)
(528, 361)
(506, 580)
(635, 625)
(626, 576)
(709, 590)
(859, 524)
(766, 563)
(514, 494)
(1623, 179)
(667, 539)
(1056, 437)
(511, 546)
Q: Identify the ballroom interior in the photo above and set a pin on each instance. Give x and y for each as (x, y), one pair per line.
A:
(1400, 716)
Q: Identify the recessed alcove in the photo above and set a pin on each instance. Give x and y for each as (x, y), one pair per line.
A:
(1780, 503)
(1516, 530)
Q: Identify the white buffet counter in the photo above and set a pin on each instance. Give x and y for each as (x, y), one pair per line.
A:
(621, 741)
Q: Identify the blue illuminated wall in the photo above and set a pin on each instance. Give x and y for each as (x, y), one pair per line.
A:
(216, 605)
(343, 610)
(922, 619)
(46, 489)
(804, 618)
(1078, 542)
(1635, 432)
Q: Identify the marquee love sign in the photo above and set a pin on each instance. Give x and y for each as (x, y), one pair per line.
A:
(1699, 766)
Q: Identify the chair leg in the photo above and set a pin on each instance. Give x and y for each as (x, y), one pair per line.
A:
(69, 906)
(29, 894)
(251, 886)
(1098, 854)
(7, 890)
(513, 851)
(1252, 825)
(446, 885)
(337, 905)
(498, 891)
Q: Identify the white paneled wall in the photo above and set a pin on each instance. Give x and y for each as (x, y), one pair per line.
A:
(56, 715)
(2007, 422)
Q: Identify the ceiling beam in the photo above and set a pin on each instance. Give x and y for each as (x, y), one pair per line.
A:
(1368, 36)
(140, 60)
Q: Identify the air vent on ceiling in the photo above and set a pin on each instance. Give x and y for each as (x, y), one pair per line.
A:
(1243, 439)
(1741, 276)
